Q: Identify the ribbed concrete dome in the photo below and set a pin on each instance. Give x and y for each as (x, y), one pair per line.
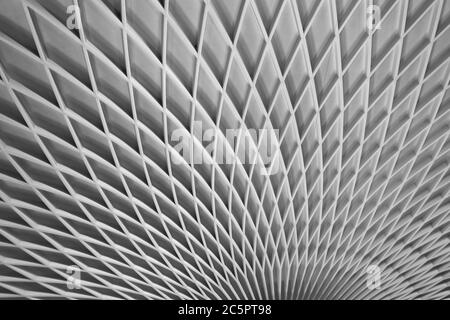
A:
(94, 188)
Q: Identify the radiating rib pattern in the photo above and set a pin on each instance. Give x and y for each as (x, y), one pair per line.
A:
(88, 107)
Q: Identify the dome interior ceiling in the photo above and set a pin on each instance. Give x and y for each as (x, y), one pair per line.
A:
(91, 179)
